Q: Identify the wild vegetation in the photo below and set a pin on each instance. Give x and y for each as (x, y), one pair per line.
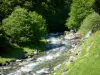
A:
(79, 10)
(24, 24)
(90, 23)
(88, 63)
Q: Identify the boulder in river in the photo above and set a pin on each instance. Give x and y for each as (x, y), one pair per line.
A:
(69, 36)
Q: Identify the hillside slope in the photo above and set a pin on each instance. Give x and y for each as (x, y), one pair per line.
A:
(89, 61)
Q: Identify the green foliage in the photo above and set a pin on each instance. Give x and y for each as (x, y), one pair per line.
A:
(23, 26)
(16, 25)
(79, 10)
(55, 11)
(91, 22)
(37, 26)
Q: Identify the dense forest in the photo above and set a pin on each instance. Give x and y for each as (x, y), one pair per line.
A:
(37, 17)
(24, 23)
(29, 21)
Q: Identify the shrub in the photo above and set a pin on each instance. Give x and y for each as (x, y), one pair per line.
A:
(16, 25)
(91, 22)
(37, 26)
(22, 26)
(79, 10)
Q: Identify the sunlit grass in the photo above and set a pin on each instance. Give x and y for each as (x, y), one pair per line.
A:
(89, 62)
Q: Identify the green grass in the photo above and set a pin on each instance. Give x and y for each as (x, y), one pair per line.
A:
(63, 68)
(18, 51)
(89, 61)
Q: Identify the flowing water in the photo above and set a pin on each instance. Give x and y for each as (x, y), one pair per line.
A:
(55, 54)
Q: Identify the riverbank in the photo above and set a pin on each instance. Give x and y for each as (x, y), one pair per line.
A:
(21, 52)
(56, 53)
(84, 59)
(73, 53)
(89, 60)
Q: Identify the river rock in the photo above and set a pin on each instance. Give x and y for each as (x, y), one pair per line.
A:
(77, 35)
(74, 45)
(35, 53)
(7, 67)
(69, 36)
(66, 32)
(72, 59)
(29, 59)
(67, 63)
(78, 51)
(18, 60)
(71, 51)
(43, 71)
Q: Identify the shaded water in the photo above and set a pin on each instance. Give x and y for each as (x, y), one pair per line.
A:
(55, 54)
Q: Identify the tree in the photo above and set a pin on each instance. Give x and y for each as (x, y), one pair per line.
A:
(38, 26)
(79, 10)
(90, 23)
(54, 11)
(22, 26)
(15, 25)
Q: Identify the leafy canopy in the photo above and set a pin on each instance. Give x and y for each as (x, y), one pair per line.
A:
(79, 10)
(24, 26)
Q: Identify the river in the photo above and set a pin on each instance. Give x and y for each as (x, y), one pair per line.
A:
(55, 54)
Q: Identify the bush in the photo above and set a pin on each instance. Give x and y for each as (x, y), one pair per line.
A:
(91, 22)
(22, 26)
(37, 26)
(79, 10)
(16, 25)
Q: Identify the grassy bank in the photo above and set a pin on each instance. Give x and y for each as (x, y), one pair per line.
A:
(89, 61)
(18, 51)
